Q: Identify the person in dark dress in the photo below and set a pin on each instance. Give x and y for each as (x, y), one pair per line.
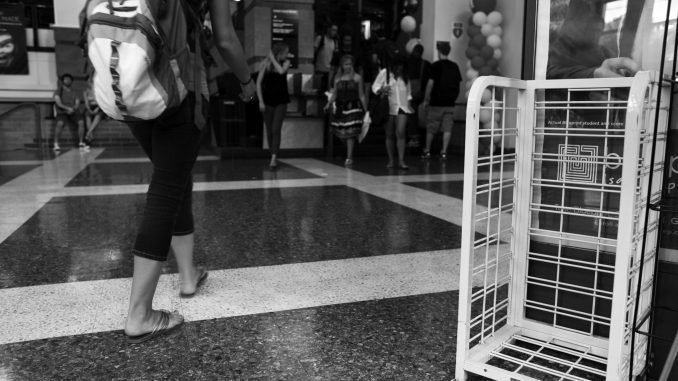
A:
(274, 96)
(347, 104)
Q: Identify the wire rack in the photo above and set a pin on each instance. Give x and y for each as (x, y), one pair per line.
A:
(554, 239)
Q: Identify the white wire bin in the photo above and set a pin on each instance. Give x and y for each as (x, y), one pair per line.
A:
(556, 226)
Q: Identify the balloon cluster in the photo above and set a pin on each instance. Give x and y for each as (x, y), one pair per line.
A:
(485, 34)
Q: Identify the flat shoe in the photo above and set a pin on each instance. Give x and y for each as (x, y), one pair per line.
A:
(403, 166)
(161, 328)
(201, 280)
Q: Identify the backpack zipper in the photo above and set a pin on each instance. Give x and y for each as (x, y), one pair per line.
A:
(145, 26)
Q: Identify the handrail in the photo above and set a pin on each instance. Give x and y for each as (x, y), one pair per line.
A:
(670, 360)
(36, 113)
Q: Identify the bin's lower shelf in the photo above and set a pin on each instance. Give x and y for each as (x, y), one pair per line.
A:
(519, 354)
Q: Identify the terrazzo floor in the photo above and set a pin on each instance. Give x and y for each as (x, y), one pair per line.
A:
(317, 271)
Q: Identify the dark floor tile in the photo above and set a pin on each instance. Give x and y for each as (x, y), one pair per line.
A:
(135, 151)
(87, 238)
(456, 189)
(100, 356)
(10, 172)
(25, 154)
(203, 171)
(376, 166)
(409, 338)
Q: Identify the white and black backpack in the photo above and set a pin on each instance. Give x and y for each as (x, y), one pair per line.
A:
(140, 69)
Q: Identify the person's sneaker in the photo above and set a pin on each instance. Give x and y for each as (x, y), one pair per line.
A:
(443, 155)
(56, 147)
(348, 162)
(426, 155)
(81, 145)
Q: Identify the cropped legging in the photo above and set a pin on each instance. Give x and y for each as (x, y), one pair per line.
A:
(172, 142)
(273, 119)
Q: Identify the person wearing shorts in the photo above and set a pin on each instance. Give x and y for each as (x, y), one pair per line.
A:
(442, 90)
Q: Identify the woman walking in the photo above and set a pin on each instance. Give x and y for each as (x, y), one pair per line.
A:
(395, 83)
(348, 105)
(273, 96)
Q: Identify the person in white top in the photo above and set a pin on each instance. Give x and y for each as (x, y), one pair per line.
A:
(395, 83)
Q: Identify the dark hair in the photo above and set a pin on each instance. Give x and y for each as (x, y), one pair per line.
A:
(64, 75)
(443, 47)
(400, 61)
(279, 47)
(418, 49)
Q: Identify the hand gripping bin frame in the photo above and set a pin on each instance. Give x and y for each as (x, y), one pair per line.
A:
(554, 232)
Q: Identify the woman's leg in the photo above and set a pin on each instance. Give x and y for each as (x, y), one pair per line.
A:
(95, 122)
(172, 143)
(276, 133)
(401, 136)
(390, 145)
(350, 144)
(269, 114)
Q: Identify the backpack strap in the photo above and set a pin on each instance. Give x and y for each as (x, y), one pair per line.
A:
(202, 36)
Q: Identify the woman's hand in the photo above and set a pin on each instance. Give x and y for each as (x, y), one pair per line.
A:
(262, 107)
(248, 90)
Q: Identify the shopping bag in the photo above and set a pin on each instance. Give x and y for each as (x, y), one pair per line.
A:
(365, 128)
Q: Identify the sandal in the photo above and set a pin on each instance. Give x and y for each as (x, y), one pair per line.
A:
(161, 328)
(201, 280)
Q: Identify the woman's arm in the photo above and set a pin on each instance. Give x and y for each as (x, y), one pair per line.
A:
(280, 69)
(361, 91)
(260, 80)
(379, 81)
(85, 96)
(229, 46)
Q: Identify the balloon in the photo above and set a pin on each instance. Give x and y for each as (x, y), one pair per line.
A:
(411, 44)
(479, 41)
(477, 62)
(408, 24)
(487, 95)
(486, 52)
(485, 70)
(494, 41)
(492, 63)
(494, 18)
(479, 18)
(487, 29)
(472, 52)
(471, 74)
(498, 31)
(497, 54)
(486, 6)
(473, 30)
(485, 116)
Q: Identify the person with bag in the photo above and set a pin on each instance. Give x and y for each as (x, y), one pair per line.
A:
(347, 105)
(418, 73)
(395, 84)
(274, 96)
(165, 127)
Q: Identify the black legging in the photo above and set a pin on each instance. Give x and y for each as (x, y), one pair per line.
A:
(273, 118)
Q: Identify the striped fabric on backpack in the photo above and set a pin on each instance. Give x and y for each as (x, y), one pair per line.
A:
(140, 55)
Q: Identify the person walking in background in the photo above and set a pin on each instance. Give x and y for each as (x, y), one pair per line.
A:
(347, 105)
(418, 73)
(326, 48)
(67, 104)
(172, 142)
(395, 83)
(274, 96)
(93, 113)
(441, 94)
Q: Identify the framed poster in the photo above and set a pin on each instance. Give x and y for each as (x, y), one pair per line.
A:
(13, 54)
(607, 39)
(285, 29)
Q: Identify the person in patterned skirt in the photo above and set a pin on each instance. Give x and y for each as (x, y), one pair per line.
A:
(347, 105)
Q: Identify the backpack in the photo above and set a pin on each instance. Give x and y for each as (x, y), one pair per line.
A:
(140, 68)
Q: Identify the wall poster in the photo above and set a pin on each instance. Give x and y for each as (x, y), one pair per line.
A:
(285, 28)
(13, 54)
